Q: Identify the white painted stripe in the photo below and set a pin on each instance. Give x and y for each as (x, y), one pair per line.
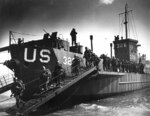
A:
(133, 82)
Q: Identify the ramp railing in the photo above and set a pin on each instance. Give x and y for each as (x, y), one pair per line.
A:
(33, 104)
(5, 82)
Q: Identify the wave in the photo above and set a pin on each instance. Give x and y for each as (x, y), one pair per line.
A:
(96, 110)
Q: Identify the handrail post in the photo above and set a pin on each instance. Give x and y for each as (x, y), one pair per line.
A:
(5, 80)
(1, 83)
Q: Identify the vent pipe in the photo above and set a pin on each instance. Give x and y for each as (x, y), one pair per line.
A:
(91, 38)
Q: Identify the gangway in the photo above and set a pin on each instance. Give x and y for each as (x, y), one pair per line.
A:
(6, 82)
(33, 104)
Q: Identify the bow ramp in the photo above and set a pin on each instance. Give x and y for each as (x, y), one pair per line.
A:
(33, 104)
(6, 82)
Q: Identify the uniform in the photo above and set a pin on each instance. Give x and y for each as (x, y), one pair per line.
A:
(58, 74)
(17, 90)
(75, 65)
(73, 35)
(45, 78)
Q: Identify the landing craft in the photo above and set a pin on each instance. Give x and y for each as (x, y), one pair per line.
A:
(28, 58)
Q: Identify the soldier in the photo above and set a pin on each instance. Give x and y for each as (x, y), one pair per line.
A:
(90, 58)
(45, 77)
(73, 36)
(127, 66)
(104, 57)
(141, 68)
(17, 90)
(96, 62)
(123, 66)
(76, 65)
(58, 74)
(117, 65)
(86, 56)
(108, 64)
(113, 64)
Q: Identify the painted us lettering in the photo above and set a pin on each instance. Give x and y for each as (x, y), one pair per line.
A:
(44, 55)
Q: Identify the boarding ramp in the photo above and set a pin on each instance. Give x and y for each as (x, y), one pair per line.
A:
(6, 82)
(33, 104)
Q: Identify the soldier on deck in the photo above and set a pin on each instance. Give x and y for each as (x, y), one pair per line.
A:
(17, 90)
(104, 57)
(86, 56)
(73, 36)
(96, 61)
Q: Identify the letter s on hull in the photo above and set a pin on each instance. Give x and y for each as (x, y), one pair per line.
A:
(47, 57)
(26, 58)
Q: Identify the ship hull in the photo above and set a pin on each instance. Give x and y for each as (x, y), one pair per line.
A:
(98, 86)
(105, 84)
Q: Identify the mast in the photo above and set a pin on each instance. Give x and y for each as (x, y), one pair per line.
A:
(126, 21)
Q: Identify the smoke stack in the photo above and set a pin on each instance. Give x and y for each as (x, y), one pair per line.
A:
(111, 50)
(91, 38)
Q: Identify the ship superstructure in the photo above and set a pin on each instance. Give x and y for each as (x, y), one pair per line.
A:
(126, 48)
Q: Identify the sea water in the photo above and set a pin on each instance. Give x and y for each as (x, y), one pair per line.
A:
(132, 104)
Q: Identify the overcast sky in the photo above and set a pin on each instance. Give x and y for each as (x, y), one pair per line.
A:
(89, 17)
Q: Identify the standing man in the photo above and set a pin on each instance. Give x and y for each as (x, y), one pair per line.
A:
(87, 56)
(73, 34)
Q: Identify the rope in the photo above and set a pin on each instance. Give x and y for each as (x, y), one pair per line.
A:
(121, 26)
(25, 34)
(6, 99)
(134, 25)
(32, 81)
(13, 38)
(128, 26)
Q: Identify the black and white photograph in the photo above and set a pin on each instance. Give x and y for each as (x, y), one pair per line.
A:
(74, 58)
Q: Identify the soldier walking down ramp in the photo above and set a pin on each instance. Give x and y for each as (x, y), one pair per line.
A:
(75, 65)
(45, 77)
(17, 91)
(58, 74)
(73, 36)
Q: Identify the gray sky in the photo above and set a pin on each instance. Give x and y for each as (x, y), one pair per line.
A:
(97, 17)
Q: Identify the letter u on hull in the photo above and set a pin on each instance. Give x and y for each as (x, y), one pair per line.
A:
(26, 56)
